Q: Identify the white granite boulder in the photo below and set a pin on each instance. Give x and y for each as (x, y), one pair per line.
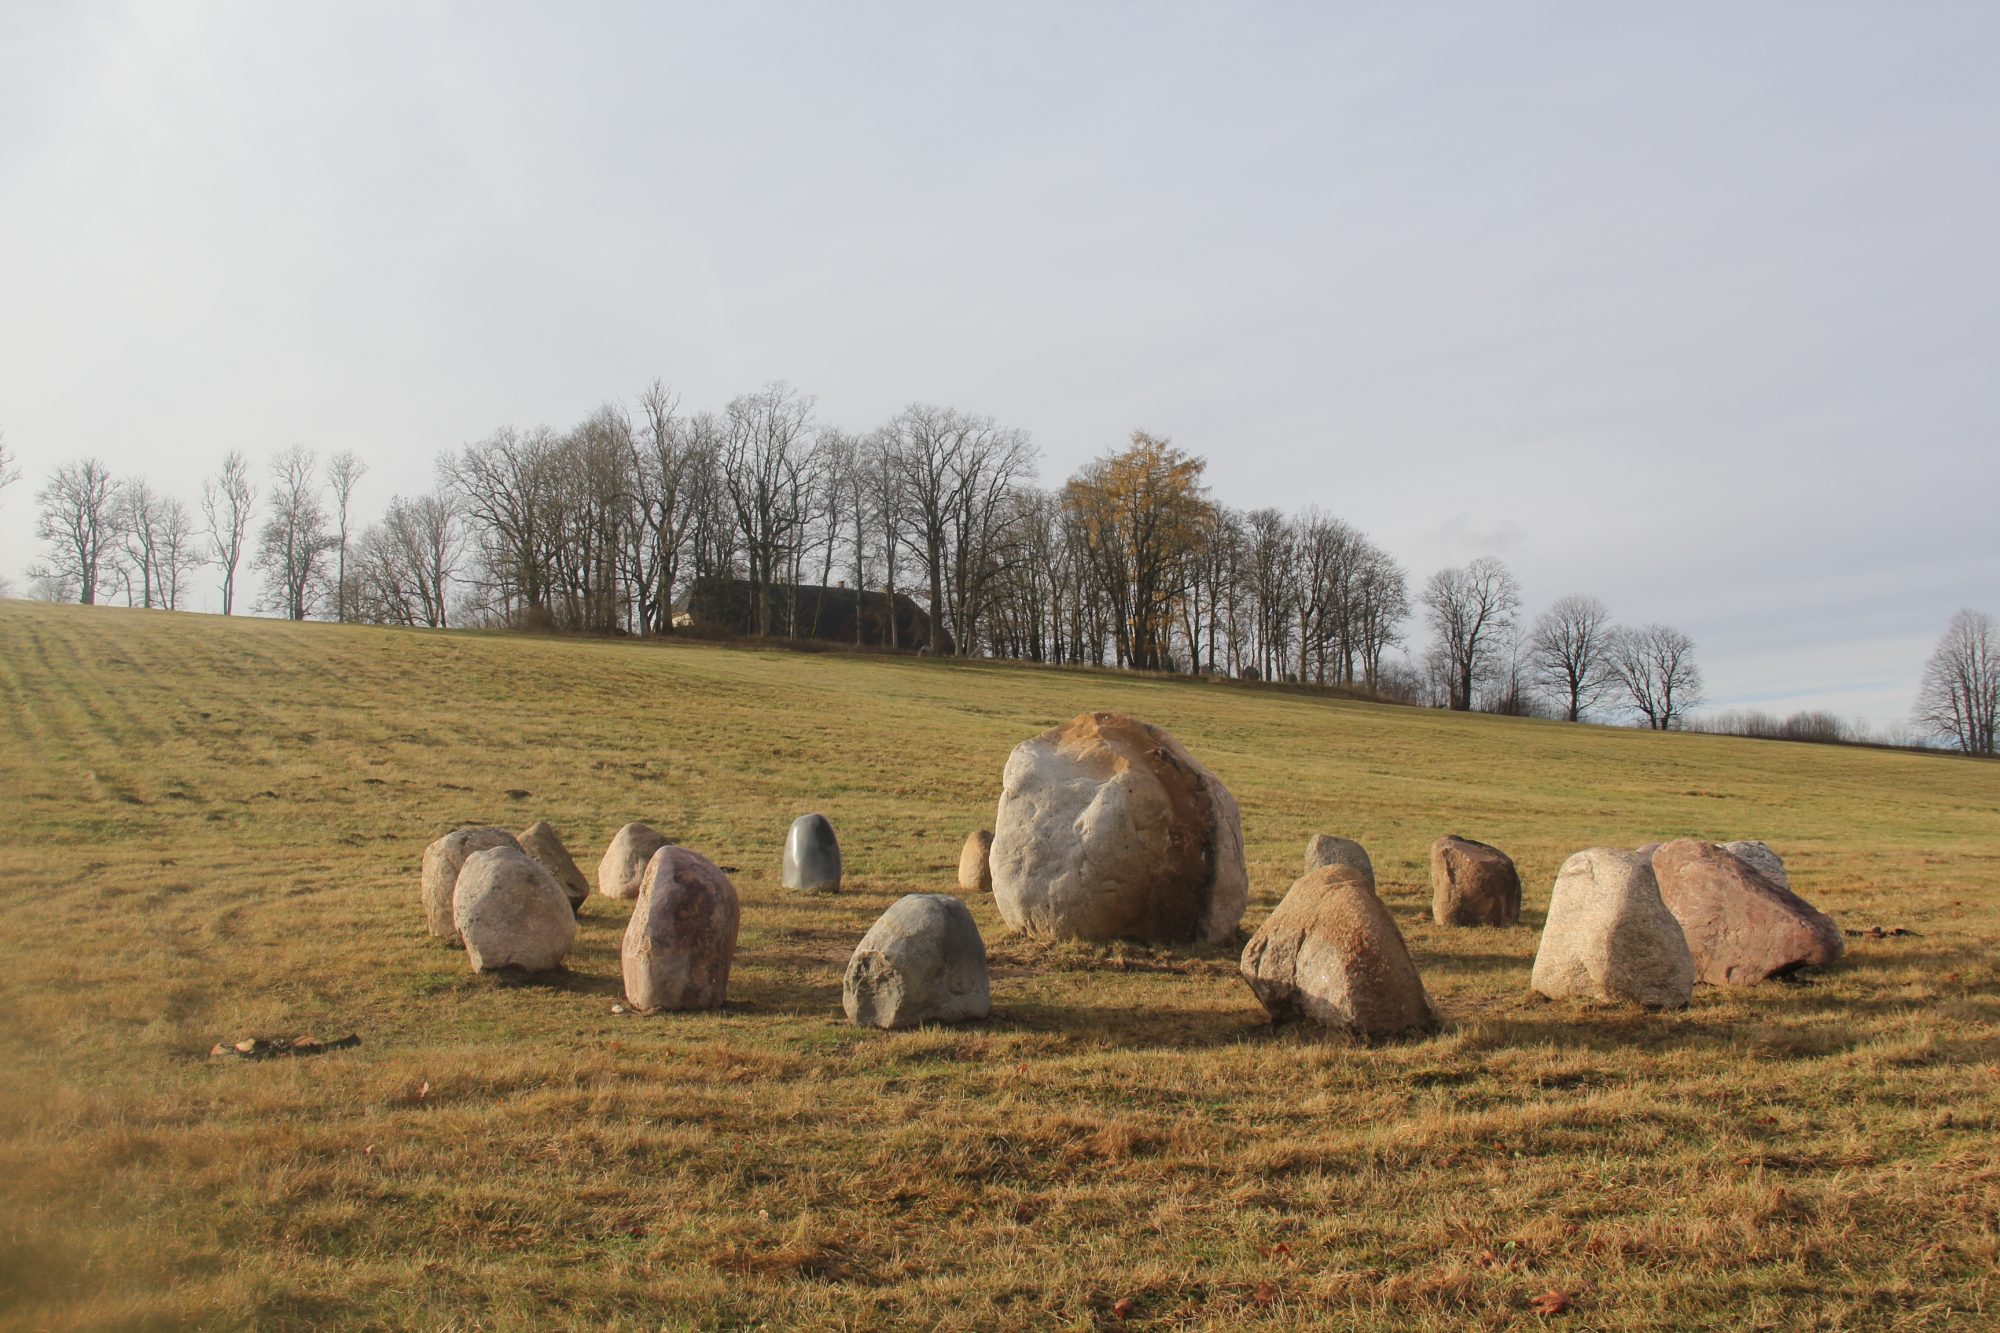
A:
(921, 962)
(682, 935)
(1331, 954)
(511, 912)
(1610, 937)
(443, 860)
(623, 868)
(1109, 829)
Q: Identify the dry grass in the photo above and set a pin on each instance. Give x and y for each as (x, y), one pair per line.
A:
(216, 828)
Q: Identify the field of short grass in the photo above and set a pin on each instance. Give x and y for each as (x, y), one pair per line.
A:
(215, 829)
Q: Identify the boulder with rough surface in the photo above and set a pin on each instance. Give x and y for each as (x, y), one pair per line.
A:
(1326, 852)
(1473, 884)
(1610, 937)
(1760, 858)
(682, 935)
(511, 912)
(1331, 954)
(975, 870)
(623, 869)
(1740, 926)
(812, 856)
(540, 841)
(443, 860)
(1109, 829)
(921, 962)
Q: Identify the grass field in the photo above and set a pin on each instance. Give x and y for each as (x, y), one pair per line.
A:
(216, 832)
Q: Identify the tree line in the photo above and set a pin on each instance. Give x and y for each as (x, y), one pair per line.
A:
(605, 527)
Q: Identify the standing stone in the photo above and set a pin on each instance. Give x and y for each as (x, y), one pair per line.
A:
(812, 856)
(682, 935)
(1760, 858)
(1109, 829)
(975, 868)
(1740, 927)
(1610, 937)
(1330, 954)
(1325, 852)
(541, 841)
(623, 868)
(921, 962)
(1473, 884)
(511, 912)
(443, 860)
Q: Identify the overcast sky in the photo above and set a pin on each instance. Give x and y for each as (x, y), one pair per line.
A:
(1692, 307)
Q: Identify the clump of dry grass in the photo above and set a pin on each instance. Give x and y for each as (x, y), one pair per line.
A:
(216, 828)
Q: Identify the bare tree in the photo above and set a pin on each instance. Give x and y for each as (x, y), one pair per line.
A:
(294, 542)
(140, 511)
(764, 463)
(226, 502)
(1656, 665)
(177, 553)
(343, 472)
(10, 467)
(1959, 699)
(1570, 654)
(1470, 611)
(79, 522)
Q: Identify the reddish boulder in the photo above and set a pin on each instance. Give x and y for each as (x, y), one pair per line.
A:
(1740, 926)
(682, 935)
(1330, 953)
(1473, 884)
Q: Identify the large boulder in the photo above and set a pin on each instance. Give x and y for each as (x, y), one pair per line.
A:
(682, 935)
(1325, 852)
(511, 912)
(1473, 884)
(1610, 937)
(1109, 829)
(623, 869)
(1330, 954)
(921, 962)
(443, 860)
(812, 856)
(1740, 926)
(1760, 858)
(540, 841)
(975, 866)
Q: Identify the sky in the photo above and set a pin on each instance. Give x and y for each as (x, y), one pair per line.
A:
(1693, 308)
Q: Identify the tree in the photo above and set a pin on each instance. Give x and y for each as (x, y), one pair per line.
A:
(176, 549)
(764, 464)
(226, 502)
(1569, 654)
(10, 468)
(1959, 699)
(141, 512)
(294, 542)
(78, 521)
(1470, 610)
(1140, 513)
(343, 472)
(1655, 664)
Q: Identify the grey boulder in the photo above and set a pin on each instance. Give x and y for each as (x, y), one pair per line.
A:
(1760, 858)
(1331, 954)
(1609, 935)
(812, 856)
(1325, 852)
(682, 935)
(511, 912)
(921, 962)
(540, 841)
(443, 860)
(623, 868)
(975, 865)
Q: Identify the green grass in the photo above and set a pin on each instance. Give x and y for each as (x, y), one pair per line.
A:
(215, 829)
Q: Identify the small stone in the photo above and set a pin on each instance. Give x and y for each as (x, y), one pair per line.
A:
(511, 912)
(1331, 954)
(541, 841)
(975, 868)
(1473, 884)
(624, 865)
(812, 856)
(443, 860)
(247, 1045)
(682, 935)
(921, 962)
(1325, 852)
(1610, 937)
(618, 1009)
(1760, 858)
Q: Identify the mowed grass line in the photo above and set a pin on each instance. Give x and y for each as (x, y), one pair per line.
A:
(216, 831)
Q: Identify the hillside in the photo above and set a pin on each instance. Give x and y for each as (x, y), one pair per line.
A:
(216, 830)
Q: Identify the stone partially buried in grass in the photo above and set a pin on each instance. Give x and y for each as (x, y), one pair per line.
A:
(975, 866)
(511, 912)
(1473, 884)
(443, 860)
(1610, 937)
(1331, 954)
(921, 962)
(812, 856)
(1325, 852)
(1109, 829)
(623, 869)
(1740, 927)
(682, 935)
(540, 841)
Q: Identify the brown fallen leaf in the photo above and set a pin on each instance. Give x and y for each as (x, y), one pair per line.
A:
(1266, 1293)
(1551, 1302)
